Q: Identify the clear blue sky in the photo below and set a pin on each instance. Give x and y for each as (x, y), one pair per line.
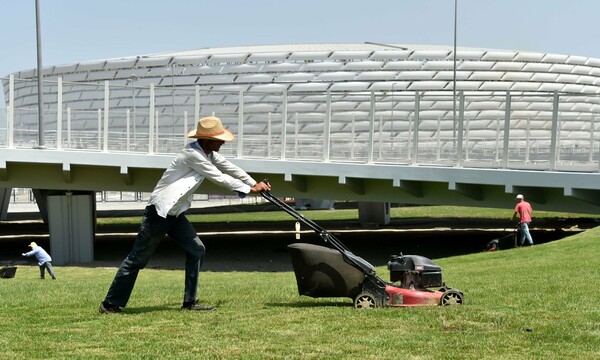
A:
(79, 30)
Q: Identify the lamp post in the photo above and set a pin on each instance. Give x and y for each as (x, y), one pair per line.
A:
(39, 77)
(454, 73)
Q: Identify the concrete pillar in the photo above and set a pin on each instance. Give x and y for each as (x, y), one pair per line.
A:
(71, 221)
(4, 201)
(373, 213)
(41, 198)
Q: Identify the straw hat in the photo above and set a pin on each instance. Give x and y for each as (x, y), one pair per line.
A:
(32, 245)
(211, 128)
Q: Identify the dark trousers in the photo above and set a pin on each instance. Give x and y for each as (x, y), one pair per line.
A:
(47, 266)
(152, 231)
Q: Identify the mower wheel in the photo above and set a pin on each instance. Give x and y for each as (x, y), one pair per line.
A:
(364, 301)
(452, 297)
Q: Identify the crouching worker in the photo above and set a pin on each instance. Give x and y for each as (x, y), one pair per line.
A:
(43, 259)
(171, 197)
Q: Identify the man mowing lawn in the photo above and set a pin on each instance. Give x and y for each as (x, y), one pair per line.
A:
(523, 212)
(171, 197)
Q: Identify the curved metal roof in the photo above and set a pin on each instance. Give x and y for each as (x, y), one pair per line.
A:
(350, 73)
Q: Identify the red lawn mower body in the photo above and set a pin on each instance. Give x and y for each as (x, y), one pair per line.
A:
(407, 297)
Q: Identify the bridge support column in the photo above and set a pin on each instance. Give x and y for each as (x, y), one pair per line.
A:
(4, 201)
(71, 221)
(373, 213)
(41, 199)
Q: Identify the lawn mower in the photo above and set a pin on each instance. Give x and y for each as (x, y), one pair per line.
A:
(504, 242)
(8, 272)
(336, 272)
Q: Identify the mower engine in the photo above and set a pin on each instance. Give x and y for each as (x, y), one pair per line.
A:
(414, 272)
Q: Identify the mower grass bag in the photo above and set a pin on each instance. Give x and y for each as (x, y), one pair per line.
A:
(8, 272)
(323, 272)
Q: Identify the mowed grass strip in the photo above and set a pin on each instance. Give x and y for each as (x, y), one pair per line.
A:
(538, 302)
(408, 212)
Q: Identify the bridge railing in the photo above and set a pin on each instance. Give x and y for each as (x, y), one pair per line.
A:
(493, 129)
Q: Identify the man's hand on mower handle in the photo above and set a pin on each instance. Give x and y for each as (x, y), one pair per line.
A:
(260, 186)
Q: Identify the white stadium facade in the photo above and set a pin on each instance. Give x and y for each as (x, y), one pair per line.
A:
(512, 109)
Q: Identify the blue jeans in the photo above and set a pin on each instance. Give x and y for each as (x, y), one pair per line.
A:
(525, 235)
(153, 229)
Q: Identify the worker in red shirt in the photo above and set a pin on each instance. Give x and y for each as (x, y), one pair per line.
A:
(523, 210)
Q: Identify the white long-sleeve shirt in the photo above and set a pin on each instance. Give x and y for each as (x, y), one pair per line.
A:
(173, 193)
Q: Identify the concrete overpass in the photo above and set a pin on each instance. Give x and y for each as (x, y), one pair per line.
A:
(78, 171)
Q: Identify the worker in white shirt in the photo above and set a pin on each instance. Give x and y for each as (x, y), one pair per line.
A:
(171, 197)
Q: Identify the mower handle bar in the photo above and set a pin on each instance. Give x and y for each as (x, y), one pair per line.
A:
(324, 234)
(361, 263)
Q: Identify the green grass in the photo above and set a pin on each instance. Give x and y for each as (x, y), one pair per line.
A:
(538, 302)
(352, 214)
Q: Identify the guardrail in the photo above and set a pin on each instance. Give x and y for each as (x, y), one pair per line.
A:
(25, 196)
(536, 131)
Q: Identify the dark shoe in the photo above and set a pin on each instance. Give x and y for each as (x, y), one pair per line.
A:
(195, 305)
(106, 308)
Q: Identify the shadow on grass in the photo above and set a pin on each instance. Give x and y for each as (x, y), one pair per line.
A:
(167, 307)
(306, 304)
(148, 309)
